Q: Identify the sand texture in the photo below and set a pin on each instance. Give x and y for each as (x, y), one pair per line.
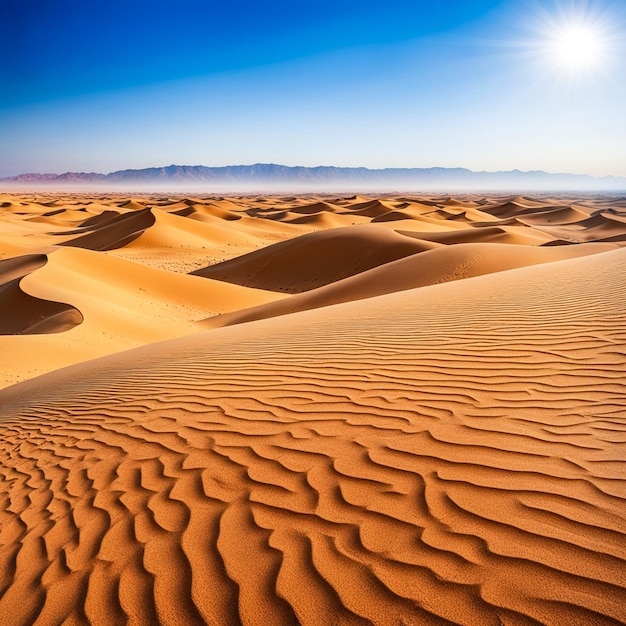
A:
(397, 410)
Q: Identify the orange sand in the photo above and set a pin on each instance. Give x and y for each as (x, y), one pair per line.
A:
(333, 410)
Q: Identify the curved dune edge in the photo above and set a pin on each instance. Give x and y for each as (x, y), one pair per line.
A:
(442, 455)
(123, 305)
(436, 266)
(316, 259)
(20, 266)
(115, 233)
(24, 314)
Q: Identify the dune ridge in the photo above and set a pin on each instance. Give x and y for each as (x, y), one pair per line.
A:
(24, 314)
(315, 259)
(438, 265)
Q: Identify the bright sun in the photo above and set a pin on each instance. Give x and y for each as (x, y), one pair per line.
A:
(578, 47)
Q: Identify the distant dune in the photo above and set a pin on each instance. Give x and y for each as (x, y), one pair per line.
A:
(312, 409)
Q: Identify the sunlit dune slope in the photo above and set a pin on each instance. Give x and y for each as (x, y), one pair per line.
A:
(109, 304)
(439, 265)
(446, 454)
(316, 259)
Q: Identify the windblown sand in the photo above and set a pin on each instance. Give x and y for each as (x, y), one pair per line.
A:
(312, 410)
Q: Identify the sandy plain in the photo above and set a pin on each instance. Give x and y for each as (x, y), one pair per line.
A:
(316, 410)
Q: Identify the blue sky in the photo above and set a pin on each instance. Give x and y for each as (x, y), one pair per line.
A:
(89, 86)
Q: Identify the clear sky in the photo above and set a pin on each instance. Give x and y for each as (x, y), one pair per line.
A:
(482, 84)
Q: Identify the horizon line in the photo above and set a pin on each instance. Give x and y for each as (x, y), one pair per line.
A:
(316, 167)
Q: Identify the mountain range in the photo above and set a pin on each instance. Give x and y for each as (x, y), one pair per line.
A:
(262, 176)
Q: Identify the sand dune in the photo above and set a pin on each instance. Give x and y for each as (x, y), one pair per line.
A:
(488, 233)
(600, 227)
(393, 463)
(113, 303)
(214, 210)
(314, 207)
(171, 230)
(18, 267)
(440, 265)
(113, 233)
(428, 430)
(566, 215)
(315, 259)
(133, 205)
(370, 208)
(323, 220)
(438, 221)
(23, 314)
(510, 209)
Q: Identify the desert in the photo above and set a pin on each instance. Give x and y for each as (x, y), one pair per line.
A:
(312, 409)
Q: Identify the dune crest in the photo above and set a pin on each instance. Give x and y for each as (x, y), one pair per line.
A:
(316, 259)
(435, 266)
(24, 314)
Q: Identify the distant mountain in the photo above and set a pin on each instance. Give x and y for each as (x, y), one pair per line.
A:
(54, 178)
(30, 178)
(80, 177)
(282, 177)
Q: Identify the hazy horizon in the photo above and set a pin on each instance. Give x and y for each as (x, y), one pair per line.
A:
(474, 84)
(277, 179)
(315, 166)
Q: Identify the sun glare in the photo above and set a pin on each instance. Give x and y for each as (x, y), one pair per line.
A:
(574, 41)
(578, 47)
